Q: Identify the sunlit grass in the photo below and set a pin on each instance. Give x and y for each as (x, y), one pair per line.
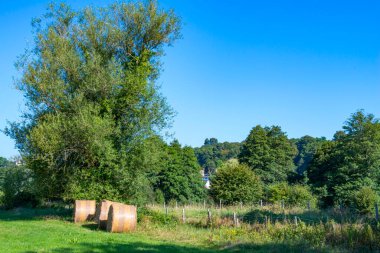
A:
(261, 229)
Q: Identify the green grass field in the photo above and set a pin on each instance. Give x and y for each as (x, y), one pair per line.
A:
(26, 230)
(52, 230)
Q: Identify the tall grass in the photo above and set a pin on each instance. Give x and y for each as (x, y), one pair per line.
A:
(331, 229)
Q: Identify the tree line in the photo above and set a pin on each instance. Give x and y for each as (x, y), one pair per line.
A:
(95, 122)
(342, 171)
(267, 166)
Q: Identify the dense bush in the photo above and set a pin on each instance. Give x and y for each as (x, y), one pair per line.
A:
(158, 218)
(234, 182)
(159, 196)
(365, 200)
(292, 195)
(1, 198)
(18, 188)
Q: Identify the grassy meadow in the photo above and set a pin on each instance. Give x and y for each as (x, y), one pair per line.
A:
(260, 229)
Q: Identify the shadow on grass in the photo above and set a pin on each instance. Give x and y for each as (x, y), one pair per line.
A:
(91, 226)
(169, 248)
(36, 214)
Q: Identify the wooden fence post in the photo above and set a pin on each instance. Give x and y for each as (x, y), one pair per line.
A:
(209, 218)
(235, 220)
(308, 205)
(220, 204)
(295, 221)
(261, 203)
(282, 204)
(183, 215)
(166, 210)
(176, 204)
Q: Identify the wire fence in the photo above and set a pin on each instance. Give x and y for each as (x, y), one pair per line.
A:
(261, 213)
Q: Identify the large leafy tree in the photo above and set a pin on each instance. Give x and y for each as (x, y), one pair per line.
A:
(269, 152)
(89, 83)
(321, 171)
(180, 177)
(350, 162)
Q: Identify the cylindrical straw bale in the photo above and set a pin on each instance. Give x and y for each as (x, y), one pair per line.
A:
(84, 210)
(101, 215)
(121, 218)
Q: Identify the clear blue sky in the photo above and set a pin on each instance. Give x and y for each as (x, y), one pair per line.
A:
(303, 65)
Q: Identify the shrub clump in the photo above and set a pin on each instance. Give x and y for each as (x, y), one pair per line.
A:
(151, 216)
(234, 182)
(292, 195)
(18, 188)
(365, 200)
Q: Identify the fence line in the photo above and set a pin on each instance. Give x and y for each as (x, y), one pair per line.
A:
(258, 213)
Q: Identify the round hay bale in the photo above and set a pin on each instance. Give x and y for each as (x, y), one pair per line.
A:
(101, 214)
(84, 210)
(121, 218)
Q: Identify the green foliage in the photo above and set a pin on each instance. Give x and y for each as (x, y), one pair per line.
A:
(180, 177)
(18, 188)
(159, 196)
(292, 195)
(233, 183)
(212, 154)
(351, 161)
(320, 172)
(3, 171)
(307, 146)
(1, 197)
(94, 106)
(269, 153)
(278, 192)
(159, 218)
(300, 195)
(365, 200)
(5, 163)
